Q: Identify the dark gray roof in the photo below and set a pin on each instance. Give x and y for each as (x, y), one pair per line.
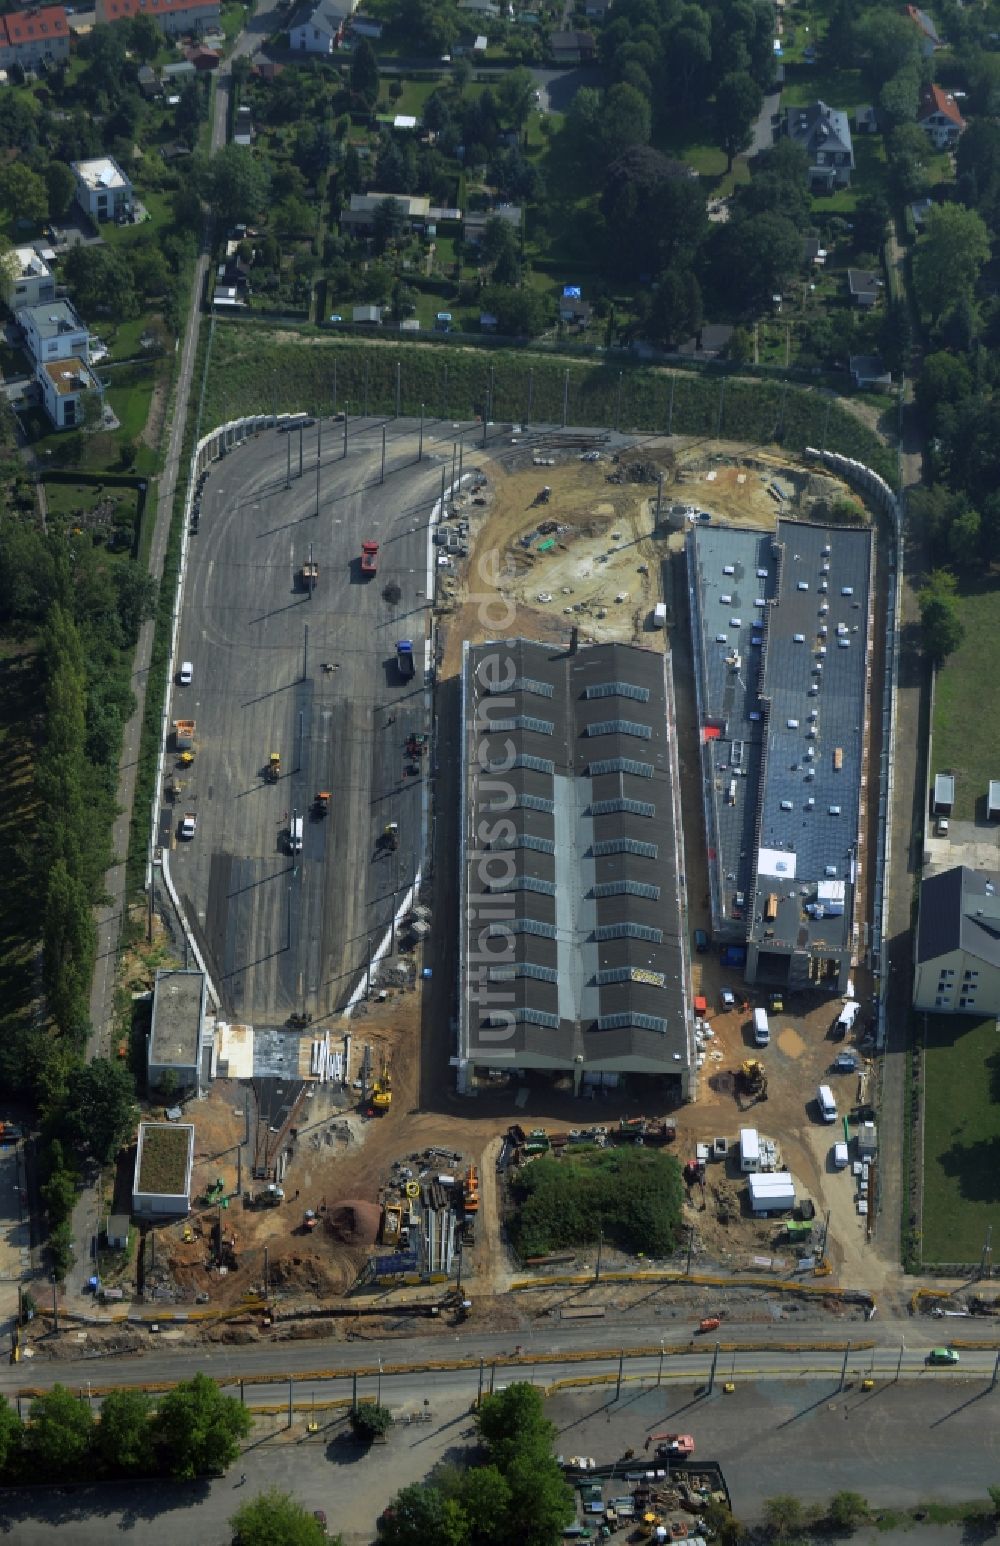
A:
(820, 128)
(863, 281)
(960, 910)
(781, 655)
(570, 797)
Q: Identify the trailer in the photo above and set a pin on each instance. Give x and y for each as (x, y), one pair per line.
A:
(184, 734)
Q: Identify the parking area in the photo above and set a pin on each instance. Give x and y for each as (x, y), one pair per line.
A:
(295, 692)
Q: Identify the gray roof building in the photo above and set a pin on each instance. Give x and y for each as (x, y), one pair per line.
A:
(824, 133)
(572, 951)
(176, 1034)
(781, 636)
(957, 967)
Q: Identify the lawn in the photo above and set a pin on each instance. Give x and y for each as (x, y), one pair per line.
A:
(804, 83)
(961, 1137)
(967, 702)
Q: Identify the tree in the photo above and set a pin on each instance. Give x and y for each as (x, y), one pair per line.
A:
(847, 1509)
(200, 1428)
(897, 100)
(944, 380)
(11, 1431)
(519, 313)
(675, 312)
(759, 253)
(100, 278)
(965, 538)
(542, 1502)
(738, 101)
(370, 1421)
(274, 1518)
(61, 1431)
(387, 223)
(513, 1423)
(784, 1516)
(364, 73)
(499, 250)
(237, 185)
(60, 186)
(420, 1515)
(626, 120)
(516, 94)
(102, 1109)
(994, 1496)
(24, 194)
(949, 256)
(943, 630)
(654, 213)
(890, 42)
(485, 1496)
(144, 37)
(124, 1437)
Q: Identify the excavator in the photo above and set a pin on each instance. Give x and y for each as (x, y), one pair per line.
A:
(382, 1088)
(751, 1081)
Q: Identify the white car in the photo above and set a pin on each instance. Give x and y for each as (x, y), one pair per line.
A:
(186, 673)
(189, 824)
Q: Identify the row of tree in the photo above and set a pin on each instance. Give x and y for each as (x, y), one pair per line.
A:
(194, 1430)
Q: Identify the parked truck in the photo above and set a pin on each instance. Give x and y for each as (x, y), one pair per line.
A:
(369, 557)
(404, 659)
(308, 575)
(184, 734)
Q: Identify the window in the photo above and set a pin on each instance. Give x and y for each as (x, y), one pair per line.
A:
(620, 765)
(524, 802)
(621, 727)
(523, 722)
(523, 883)
(631, 974)
(541, 845)
(522, 926)
(617, 690)
(621, 806)
(940, 1003)
(522, 969)
(523, 760)
(522, 684)
(628, 931)
(627, 888)
(625, 845)
(628, 1019)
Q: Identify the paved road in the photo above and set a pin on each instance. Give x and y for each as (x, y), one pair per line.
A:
(288, 932)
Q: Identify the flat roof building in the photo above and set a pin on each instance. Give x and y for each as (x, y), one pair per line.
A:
(781, 638)
(164, 1160)
(572, 951)
(177, 1033)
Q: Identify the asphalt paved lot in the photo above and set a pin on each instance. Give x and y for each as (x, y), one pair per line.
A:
(286, 933)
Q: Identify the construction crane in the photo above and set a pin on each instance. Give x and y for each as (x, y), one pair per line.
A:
(382, 1088)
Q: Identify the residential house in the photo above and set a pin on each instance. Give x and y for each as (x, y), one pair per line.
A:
(35, 37)
(176, 18)
(868, 370)
(939, 116)
(930, 39)
(488, 322)
(709, 342)
(866, 120)
(920, 209)
(480, 7)
(574, 311)
(31, 283)
(102, 189)
(54, 331)
(319, 27)
(475, 221)
(369, 314)
(59, 345)
(150, 84)
(864, 285)
(825, 135)
(957, 966)
(596, 10)
(203, 58)
(813, 251)
(172, 74)
(572, 47)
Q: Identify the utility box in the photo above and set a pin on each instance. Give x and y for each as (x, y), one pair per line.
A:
(944, 794)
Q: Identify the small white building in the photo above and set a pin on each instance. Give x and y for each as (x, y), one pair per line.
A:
(64, 383)
(774, 1193)
(31, 282)
(319, 28)
(177, 1032)
(54, 332)
(749, 1150)
(102, 189)
(164, 1160)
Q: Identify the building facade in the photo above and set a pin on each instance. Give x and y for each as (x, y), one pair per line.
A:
(176, 18)
(102, 189)
(34, 38)
(31, 282)
(957, 968)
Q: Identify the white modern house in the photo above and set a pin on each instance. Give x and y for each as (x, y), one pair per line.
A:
(59, 345)
(102, 188)
(30, 281)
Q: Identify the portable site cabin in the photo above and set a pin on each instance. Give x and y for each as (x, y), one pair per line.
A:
(993, 800)
(749, 1150)
(773, 1193)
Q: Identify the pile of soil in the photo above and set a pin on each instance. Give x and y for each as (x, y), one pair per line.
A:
(353, 1222)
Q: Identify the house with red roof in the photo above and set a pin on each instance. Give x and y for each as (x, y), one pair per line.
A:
(176, 18)
(35, 37)
(939, 117)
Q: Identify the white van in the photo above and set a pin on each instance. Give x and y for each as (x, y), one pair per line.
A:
(826, 1103)
(295, 835)
(761, 1029)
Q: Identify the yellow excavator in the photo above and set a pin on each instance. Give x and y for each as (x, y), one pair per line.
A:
(751, 1080)
(382, 1088)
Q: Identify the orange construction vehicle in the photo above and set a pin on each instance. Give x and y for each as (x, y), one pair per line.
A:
(470, 1190)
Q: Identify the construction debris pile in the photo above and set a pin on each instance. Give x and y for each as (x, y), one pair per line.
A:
(662, 1502)
(634, 472)
(428, 1216)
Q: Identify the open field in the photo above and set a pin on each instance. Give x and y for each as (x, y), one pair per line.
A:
(967, 694)
(262, 366)
(961, 1137)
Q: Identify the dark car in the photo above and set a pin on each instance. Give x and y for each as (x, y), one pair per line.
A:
(701, 941)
